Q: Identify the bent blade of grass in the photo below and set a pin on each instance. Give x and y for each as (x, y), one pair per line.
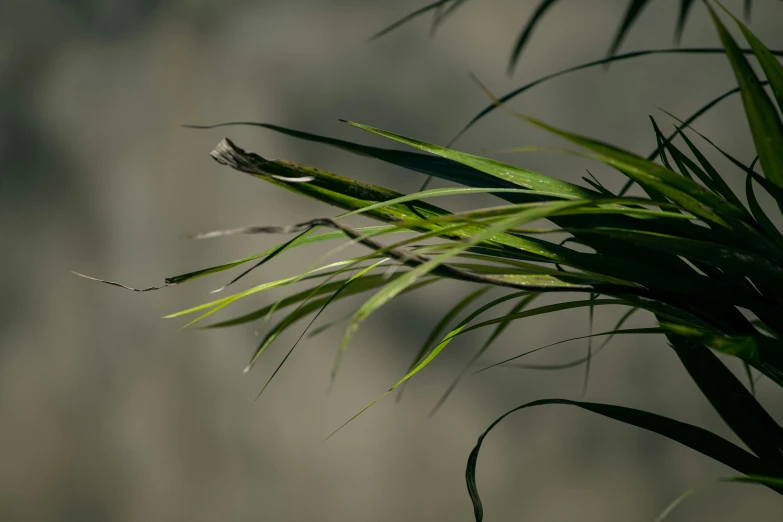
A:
(583, 360)
(604, 61)
(463, 329)
(699, 439)
(610, 333)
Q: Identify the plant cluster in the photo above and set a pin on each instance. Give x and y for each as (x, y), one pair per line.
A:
(704, 261)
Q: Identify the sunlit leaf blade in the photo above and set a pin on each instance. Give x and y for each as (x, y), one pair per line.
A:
(699, 439)
(539, 182)
(346, 284)
(325, 186)
(352, 195)
(306, 308)
(527, 30)
(499, 329)
(706, 173)
(504, 171)
(773, 190)
(631, 14)
(298, 241)
(441, 326)
(686, 193)
(772, 68)
(392, 289)
(685, 123)
(775, 482)
(424, 163)
(367, 283)
(761, 352)
(462, 325)
(718, 184)
(434, 193)
(214, 306)
(765, 125)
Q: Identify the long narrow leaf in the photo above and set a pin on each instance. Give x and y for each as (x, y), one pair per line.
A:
(765, 125)
(441, 326)
(595, 63)
(699, 439)
(632, 13)
(738, 408)
(499, 329)
(527, 30)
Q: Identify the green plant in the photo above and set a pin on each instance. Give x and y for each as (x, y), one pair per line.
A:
(442, 9)
(691, 252)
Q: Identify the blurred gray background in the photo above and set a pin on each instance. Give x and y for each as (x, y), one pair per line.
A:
(108, 414)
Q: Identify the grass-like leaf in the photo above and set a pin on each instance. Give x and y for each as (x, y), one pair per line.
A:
(441, 326)
(765, 125)
(696, 438)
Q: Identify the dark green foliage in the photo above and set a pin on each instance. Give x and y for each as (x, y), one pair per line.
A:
(690, 254)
